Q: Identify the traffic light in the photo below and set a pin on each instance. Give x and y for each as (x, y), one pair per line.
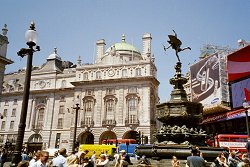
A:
(138, 137)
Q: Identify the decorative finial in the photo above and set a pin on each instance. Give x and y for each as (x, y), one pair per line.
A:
(32, 26)
(55, 50)
(79, 61)
(5, 30)
(123, 38)
(153, 58)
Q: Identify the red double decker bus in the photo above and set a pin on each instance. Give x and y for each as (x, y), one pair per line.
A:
(232, 141)
(118, 141)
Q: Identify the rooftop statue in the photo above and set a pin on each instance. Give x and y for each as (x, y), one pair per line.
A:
(175, 43)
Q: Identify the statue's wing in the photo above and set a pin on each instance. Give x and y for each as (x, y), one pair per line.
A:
(175, 40)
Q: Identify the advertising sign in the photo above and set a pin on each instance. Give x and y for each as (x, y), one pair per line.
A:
(238, 64)
(238, 94)
(205, 81)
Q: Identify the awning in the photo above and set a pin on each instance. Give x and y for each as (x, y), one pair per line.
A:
(225, 116)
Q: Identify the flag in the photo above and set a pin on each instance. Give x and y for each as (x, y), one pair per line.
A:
(247, 94)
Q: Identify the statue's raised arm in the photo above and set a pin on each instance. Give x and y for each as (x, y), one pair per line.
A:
(175, 43)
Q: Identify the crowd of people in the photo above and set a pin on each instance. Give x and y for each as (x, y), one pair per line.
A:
(62, 159)
(222, 160)
(121, 159)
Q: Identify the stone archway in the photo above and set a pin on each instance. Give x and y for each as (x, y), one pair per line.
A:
(131, 135)
(107, 135)
(86, 138)
(35, 142)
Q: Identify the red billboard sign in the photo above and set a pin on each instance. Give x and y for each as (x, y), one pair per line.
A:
(238, 64)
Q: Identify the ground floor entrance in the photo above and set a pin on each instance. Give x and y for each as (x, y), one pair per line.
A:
(86, 138)
(33, 147)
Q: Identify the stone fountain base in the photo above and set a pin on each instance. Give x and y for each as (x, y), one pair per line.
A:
(178, 150)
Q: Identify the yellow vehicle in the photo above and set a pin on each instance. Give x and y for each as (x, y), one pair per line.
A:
(99, 149)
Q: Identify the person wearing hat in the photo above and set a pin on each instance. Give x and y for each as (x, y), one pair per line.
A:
(60, 161)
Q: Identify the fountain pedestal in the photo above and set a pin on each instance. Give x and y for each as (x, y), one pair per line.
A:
(179, 116)
(179, 131)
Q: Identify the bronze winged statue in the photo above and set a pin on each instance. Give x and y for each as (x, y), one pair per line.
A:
(175, 43)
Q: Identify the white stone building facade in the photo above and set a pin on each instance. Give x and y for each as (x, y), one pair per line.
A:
(117, 96)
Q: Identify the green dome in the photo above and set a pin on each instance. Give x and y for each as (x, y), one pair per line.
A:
(123, 46)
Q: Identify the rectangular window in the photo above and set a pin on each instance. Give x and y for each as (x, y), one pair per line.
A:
(62, 98)
(13, 114)
(1, 138)
(14, 137)
(5, 112)
(88, 120)
(6, 102)
(138, 72)
(11, 125)
(57, 143)
(110, 91)
(61, 109)
(85, 76)
(89, 92)
(60, 123)
(3, 125)
(132, 89)
(15, 102)
(132, 118)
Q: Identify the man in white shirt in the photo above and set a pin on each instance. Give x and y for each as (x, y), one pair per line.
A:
(60, 161)
(44, 156)
(35, 158)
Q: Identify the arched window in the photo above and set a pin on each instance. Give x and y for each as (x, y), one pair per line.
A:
(124, 73)
(85, 76)
(98, 75)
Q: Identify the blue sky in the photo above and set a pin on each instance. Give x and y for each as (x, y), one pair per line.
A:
(75, 26)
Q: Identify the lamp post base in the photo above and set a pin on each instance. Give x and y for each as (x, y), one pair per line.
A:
(17, 157)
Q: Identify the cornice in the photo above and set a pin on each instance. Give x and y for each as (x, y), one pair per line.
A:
(117, 80)
(41, 91)
(108, 66)
(5, 60)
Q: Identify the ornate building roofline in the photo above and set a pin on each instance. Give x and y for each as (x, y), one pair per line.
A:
(118, 80)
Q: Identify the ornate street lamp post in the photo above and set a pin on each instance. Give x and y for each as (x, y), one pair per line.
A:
(77, 108)
(246, 106)
(31, 38)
